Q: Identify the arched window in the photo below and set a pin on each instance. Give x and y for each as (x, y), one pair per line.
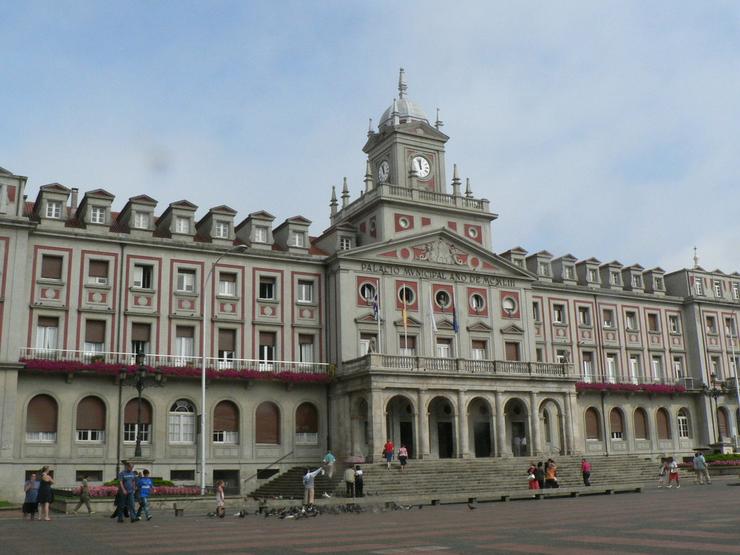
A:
(724, 428)
(641, 427)
(664, 425)
(91, 420)
(306, 424)
(593, 430)
(684, 426)
(226, 423)
(41, 419)
(130, 415)
(181, 422)
(267, 420)
(616, 423)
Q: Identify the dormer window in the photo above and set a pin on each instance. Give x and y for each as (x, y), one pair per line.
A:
(345, 243)
(141, 220)
(659, 283)
(614, 278)
(735, 291)
(182, 224)
(593, 276)
(636, 281)
(570, 272)
(544, 269)
(519, 262)
(221, 229)
(717, 288)
(260, 234)
(54, 209)
(97, 215)
(299, 239)
(698, 286)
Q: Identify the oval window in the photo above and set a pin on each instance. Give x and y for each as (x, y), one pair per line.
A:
(406, 294)
(403, 222)
(477, 302)
(442, 298)
(509, 306)
(367, 291)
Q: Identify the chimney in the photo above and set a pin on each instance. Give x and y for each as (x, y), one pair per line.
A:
(75, 194)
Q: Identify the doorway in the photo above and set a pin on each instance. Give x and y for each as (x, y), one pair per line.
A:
(482, 439)
(444, 439)
(407, 436)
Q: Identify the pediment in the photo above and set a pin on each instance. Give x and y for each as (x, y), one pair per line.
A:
(143, 199)
(480, 327)
(368, 318)
(411, 322)
(442, 250)
(513, 329)
(445, 325)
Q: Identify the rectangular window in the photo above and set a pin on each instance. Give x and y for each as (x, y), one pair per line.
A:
(143, 276)
(47, 333)
(593, 276)
(220, 436)
(266, 349)
(635, 369)
(227, 284)
(659, 283)
(479, 349)
(98, 272)
(305, 291)
(544, 269)
(368, 343)
(54, 209)
(299, 239)
(345, 243)
(730, 327)
(226, 348)
(539, 354)
(608, 315)
(94, 337)
(184, 344)
(678, 368)
(717, 288)
(129, 433)
(51, 266)
(614, 278)
(570, 272)
(658, 374)
(698, 286)
(636, 281)
(611, 368)
(588, 366)
(558, 313)
(90, 436)
(711, 324)
(674, 324)
(141, 220)
(305, 348)
(584, 316)
(683, 426)
(260, 234)
(716, 365)
(512, 352)
(631, 318)
(407, 346)
(185, 280)
(652, 322)
(562, 356)
(267, 288)
(182, 224)
(736, 291)
(97, 215)
(536, 314)
(182, 475)
(140, 334)
(444, 347)
(222, 229)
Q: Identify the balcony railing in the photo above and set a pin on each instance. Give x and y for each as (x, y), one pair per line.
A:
(640, 379)
(213, 364)
(458, 366)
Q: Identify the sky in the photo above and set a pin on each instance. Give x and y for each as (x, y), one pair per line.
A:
(605, 129)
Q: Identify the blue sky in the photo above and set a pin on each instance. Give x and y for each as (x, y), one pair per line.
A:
(605, 129)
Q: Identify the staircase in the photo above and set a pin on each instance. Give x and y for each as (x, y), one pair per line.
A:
(462, 476)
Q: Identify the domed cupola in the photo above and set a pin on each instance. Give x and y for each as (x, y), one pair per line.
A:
(404, 109)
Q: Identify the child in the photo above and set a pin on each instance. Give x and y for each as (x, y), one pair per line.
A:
(532, 477)
(662, 474)
(673, 474)
(220, 500)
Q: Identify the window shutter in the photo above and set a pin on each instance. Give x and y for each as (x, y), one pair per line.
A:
(51, 266)
(129, 413)
(306, 419)
(226, 340)
(42, 414)
(95, 331)
(267, 422)
(226, 417)
(231, 278)
(663, 428)
(615, 420)
(91, 414)
(478, 344)
(185, 331)
(640, 424)
(99, 268)
(592, 424)
(408, 342)
(140, 332)
(48, 322)
(512, 351)
(305, 339)
(267, 338)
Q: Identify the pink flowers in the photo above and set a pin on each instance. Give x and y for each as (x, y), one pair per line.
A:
(630, 388)
(110, 491)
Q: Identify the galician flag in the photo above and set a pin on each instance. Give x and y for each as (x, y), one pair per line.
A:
(455, 323)
(376, 306)
(431, 314)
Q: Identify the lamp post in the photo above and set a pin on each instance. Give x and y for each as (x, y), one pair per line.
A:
(204, 353)
(714, 392)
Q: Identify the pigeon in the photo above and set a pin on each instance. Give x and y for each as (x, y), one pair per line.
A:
(471, 507)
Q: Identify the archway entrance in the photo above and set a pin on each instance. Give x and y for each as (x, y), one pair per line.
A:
(516, 427)
(360, 428)
(399, 423)
(550, 421)
(442, 427)
(479, 427)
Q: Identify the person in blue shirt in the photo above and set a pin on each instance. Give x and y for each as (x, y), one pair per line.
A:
(127, 487)
(145, 486)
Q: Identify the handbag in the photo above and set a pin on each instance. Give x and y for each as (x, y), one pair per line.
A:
(531, 477)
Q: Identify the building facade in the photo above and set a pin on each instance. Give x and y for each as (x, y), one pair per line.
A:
(397, 322)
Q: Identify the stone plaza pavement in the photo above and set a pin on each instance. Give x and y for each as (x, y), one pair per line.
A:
(692, 519)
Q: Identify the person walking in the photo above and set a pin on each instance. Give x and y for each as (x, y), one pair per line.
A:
(388, 449)
(144, 485)
(127, 485)
(586, 472)
(84, 497)
(30, 502)
(551, 475)
(673, 474)
(403, 456)
(349, 481)
(308, 485)
(45, 495)
(359, 481)
(701, 469)
(539, 474)
(220, 500)
(329, 460)
(663, 474)
(532, 477)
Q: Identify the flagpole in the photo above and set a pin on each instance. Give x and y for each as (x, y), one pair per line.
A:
(457, 322)
(405, 326)
(378, 315)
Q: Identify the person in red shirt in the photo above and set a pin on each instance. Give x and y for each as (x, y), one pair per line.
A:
(586, 471)
(388, 452)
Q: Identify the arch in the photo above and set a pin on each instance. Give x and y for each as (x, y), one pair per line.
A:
(267, 422)
(479, 413)
(442, 428)
(640, 424)
(181, 422)
(399, 423)
(42, 414)
(593, 429)
(663, 424)
(130, 421)
(90, 423)
(550, 421)
(616, 424)
(306, 424)
(226, 423)
(683, 419)
(516, 416)
(723, 424)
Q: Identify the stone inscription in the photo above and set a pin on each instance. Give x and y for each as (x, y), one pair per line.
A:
(442, 275)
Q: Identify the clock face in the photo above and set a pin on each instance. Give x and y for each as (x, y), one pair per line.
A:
(421, 166)
(384, 170)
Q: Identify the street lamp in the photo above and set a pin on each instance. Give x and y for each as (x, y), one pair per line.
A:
(203, 352)
(714, 392)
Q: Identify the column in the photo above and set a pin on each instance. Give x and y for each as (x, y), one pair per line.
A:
(568, 409)
(502, 448)
(377, 425)
(462, 426)
(422, 426)
(534, 423)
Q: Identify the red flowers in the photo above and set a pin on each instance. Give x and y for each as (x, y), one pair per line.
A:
(631, 387)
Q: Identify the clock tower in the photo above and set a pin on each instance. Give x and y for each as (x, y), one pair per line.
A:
(406, 150)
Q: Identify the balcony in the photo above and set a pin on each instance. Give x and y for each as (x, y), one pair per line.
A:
(457, 366)
(640, 383)
(111, 363)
